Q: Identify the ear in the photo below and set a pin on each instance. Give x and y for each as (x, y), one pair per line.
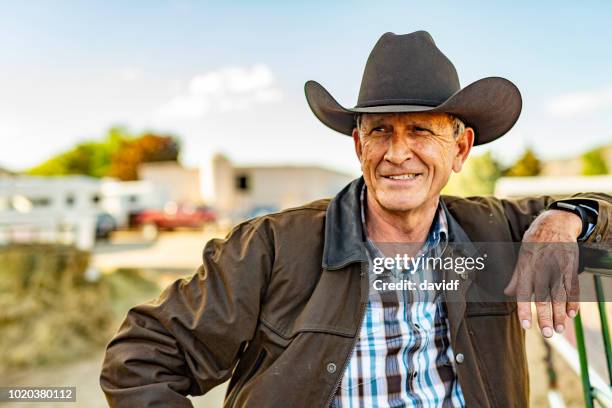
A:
(357, 142)
(464, 146)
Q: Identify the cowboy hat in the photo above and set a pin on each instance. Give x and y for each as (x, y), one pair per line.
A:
(408, 73)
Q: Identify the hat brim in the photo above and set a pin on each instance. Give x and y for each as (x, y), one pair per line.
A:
(491, 106)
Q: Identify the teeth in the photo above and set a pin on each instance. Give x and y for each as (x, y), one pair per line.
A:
(408, 176)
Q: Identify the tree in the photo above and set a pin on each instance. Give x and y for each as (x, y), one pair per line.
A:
(527, 165)
(594, 163)
(477, 177)
(145, 149)
(89, 158)
(118, 155)
(81, 159)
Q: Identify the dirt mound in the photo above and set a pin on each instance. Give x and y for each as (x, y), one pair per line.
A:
(49, 310)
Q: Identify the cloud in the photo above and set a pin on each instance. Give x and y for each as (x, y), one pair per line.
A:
(129, 73)
(226, 89)
(577, 103)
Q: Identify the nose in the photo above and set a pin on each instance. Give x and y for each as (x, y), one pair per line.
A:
(399, 149)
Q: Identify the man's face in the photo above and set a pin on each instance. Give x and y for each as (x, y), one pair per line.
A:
(406, 158)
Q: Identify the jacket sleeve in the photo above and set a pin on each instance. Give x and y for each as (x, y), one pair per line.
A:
(188, 340)
(520, 213)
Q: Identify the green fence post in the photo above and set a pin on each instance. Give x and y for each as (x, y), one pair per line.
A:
(603, 318)
(584, 363)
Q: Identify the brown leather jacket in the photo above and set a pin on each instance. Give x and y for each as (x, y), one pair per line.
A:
(276, 307)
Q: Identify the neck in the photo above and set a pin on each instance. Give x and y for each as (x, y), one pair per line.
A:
(411, 226)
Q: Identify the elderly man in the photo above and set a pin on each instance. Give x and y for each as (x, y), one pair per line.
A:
(285, 308)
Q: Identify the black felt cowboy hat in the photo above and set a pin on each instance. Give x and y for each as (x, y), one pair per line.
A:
(408, 73)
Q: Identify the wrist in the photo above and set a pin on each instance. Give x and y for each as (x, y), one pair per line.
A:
(571, 221)
(586, 213)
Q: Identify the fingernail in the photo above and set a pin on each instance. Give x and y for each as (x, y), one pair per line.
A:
(526, 324)
(559, 328)
(572, 313)
(547, 332)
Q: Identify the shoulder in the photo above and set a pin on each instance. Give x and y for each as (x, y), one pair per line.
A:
(311, 211)
(306, 222)
(470, 204)
(477, 215)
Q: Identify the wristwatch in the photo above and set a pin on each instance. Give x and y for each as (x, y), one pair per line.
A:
(587, 214)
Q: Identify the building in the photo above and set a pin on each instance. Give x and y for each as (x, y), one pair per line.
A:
(122, 199)
(241, 192)
(179, 184)
(508, 187)
(66, 208)
(53, 209)
(5, 173)
(573, 166)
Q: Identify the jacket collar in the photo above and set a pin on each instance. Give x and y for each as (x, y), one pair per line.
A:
(456, 234)
(344, 236)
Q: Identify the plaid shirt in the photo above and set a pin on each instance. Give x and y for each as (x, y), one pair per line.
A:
(403, 356)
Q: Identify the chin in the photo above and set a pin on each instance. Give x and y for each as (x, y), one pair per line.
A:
(396, 202)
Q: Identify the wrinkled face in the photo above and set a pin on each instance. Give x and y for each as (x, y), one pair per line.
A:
(406, 158)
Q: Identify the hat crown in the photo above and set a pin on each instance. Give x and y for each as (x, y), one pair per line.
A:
(407, 69)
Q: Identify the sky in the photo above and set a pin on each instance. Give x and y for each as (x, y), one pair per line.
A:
(229, 77)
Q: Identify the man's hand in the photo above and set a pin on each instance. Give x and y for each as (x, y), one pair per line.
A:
(548, 267)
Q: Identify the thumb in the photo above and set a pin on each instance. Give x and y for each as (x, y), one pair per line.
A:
(510, 290)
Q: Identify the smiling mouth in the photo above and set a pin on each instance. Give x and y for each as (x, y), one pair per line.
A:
(403, 177)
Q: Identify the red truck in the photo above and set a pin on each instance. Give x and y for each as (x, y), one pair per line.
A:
(174, 216)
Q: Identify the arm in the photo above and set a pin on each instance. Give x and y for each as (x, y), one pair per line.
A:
(522, 212)
(189, 339)
(535, 224)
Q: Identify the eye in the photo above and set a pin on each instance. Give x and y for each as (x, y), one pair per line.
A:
(379, 129)
(422, 130)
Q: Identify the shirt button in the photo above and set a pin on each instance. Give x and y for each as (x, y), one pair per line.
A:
(459, 358)
(598, 238)
(331, 368)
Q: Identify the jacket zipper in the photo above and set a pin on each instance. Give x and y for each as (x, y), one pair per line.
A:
(348, 358)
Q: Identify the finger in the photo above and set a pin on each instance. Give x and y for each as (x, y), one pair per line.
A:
(521, 262)
(559, 316)
(573, 297)
(523, 310)
(544, 318)
(542, 288)
(524, 278)
(510, 289)
(572, 309)
(559, 299)
(572, 288)
(523, 290)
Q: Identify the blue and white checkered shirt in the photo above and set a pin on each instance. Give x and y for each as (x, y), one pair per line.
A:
(403, 356)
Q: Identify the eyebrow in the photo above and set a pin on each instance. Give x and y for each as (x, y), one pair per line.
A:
(377, 122)
(414, 123)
